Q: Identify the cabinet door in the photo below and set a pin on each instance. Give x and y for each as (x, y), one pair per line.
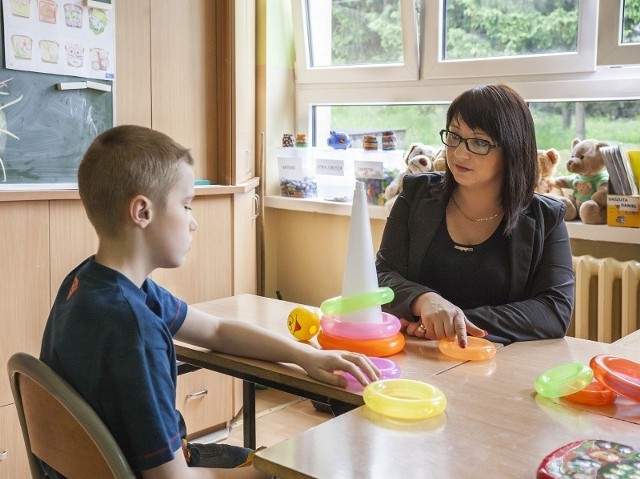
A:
(245, 216)
(73, 239)
(207, 272)
(13, 455)
(183, 76)
(24, 289)
(133, 63)
(244, 111)
(204, 399)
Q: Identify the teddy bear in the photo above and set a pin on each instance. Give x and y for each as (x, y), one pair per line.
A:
(440, 162)
(589, 182)
(419, 159)
(547, 165)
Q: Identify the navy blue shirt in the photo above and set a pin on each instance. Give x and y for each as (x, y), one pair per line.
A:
(113, 342)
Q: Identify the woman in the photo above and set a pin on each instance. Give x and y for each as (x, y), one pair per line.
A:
(474, 250)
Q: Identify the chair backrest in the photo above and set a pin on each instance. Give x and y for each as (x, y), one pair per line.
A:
(59, 427)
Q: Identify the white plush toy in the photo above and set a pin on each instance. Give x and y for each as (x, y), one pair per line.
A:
(419, 159)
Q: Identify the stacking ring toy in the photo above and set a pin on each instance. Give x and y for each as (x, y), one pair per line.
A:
(404, 398)
(380, 347)
(595, 394)
(389, 326)
(343, 305)
(388, 369)
(618, 374)
(478, 349)
(563, 380)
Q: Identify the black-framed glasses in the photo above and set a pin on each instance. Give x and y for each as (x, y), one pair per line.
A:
(477, 146)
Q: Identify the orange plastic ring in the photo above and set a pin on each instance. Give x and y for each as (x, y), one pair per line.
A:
(618, 374)
(478, 349)
(595, 394)
(380, 347)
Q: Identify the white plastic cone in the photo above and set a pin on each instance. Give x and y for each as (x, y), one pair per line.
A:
(360, 268)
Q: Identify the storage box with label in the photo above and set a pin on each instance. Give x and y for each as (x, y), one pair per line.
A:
(623, 210)
(334, 172)
(296, 172)
(377, 169)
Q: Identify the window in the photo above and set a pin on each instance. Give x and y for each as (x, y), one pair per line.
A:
(506, 37)
(619, 37)
(570, 96)
(355, 40)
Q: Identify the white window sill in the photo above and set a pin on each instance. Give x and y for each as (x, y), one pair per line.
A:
(577, 229)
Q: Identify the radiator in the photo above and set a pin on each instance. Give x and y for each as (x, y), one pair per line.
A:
(606, 303)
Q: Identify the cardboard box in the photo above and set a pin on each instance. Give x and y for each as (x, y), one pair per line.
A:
(623, 210)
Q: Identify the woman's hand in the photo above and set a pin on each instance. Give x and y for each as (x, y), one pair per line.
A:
(321, 364)
(440, 319)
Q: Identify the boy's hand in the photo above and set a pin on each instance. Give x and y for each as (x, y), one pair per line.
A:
(321, 365)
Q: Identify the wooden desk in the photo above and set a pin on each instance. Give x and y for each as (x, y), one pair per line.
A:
(519, 365)
(419, 360)
(631, 339)
(494, 425)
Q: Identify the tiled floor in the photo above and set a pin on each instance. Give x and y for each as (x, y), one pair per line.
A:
(279, 415)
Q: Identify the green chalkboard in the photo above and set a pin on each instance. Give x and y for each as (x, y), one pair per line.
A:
(54, 127)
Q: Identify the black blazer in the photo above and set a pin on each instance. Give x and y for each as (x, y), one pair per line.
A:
(542, 281)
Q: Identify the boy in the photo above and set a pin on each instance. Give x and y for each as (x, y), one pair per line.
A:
(110, 332)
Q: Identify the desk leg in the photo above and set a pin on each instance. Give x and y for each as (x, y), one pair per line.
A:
(249, 414)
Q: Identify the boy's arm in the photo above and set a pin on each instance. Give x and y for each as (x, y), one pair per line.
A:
(241, 339)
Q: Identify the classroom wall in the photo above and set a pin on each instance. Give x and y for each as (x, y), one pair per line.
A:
(309, 251)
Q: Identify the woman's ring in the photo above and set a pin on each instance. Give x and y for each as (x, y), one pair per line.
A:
(421, 328)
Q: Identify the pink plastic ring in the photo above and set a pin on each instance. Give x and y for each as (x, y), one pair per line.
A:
(388, 369)
(389, 326)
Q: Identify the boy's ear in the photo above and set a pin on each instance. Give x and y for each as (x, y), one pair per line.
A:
(141, 211)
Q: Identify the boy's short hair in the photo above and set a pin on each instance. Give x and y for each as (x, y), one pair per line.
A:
(121, 163)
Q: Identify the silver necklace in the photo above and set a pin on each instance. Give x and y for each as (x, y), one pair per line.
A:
(477, 220)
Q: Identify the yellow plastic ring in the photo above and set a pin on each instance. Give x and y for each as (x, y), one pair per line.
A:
(404, 398)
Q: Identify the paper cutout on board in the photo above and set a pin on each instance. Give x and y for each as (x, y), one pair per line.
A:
(63, 37)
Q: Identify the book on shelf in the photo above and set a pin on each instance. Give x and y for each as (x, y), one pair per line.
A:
(618, 164)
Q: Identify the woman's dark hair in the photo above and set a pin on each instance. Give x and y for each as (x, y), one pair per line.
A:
(501, 113)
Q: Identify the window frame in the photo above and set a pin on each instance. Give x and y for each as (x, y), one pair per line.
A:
(583, 60)
(406, 71)
(610, 49)
(604, 83)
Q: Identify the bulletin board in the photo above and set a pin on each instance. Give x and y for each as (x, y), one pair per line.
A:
(45, 131)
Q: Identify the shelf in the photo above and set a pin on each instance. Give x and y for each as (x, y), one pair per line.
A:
(577, 230)
(612, 234)
(69, 191)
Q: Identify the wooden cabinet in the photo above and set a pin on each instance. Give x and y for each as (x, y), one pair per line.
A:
(24, 288)
(243, 116)
(245, 216)
(208, 269)
(189, 71)
(13, 456)
(204, 400)
(72, 240)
